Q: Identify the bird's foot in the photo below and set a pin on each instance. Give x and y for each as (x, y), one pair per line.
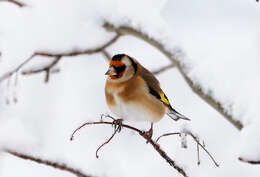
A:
(148, 134)
(117, 124)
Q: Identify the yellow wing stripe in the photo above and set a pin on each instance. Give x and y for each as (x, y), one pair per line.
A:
(164, 99)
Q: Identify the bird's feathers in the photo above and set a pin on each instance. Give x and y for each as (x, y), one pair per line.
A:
(155, 90)
(153, 85)
(160, 96)
(149, 78)
(132, 101)
(137, 92)
(172, 113)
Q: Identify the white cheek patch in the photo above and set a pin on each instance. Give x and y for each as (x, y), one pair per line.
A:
(126, 61)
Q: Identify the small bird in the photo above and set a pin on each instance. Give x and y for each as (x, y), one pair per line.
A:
(133, 93)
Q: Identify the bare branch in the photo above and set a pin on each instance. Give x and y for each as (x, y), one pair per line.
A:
(140, 132)
(106, 55)
(198, 154)
(56, 165)
(249, 161)
(44, 68)
(203, 147)
(162, 69)
(126, 30)
(47, 69)
(19, 4)
(196, 140)
(10, 73)
(106, 142)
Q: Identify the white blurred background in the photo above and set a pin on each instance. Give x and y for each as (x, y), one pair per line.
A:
(221, 39)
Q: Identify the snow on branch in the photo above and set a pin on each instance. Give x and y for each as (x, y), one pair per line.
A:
(106, 54)
(57, 56)
(56, 165)
(47, 69)
(162, 69)
(15, 71)
(81, 52)
(127, 30)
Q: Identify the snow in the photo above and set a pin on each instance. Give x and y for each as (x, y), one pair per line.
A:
(220, 40)
(226, 64)
(249, 142)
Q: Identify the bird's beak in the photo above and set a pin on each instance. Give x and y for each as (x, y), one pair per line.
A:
(111, 71)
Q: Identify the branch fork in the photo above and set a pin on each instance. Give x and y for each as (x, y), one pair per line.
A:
(118, 125)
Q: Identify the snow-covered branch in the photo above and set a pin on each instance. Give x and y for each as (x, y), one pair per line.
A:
(17, 69)
(127, 30)
(47, 69)
(106, 54)
(212, 71)
(162, 69)
(57, 57)
(49, 163)
(81, 52)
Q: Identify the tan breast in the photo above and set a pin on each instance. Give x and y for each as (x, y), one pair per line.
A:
(135, 100)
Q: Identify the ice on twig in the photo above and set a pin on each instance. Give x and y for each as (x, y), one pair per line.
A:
(183, 140)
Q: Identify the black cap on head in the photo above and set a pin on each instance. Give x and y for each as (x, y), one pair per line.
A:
(118, 57)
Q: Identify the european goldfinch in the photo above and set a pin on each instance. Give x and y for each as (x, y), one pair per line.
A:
(133, 93)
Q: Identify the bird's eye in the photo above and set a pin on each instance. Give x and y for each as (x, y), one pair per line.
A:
(120, 69)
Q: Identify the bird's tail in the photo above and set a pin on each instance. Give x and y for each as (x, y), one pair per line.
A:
(172, 113)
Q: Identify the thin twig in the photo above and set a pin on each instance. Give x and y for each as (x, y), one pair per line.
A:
(198, 154)
(56, 165)
(44, 68)
(47, 69)
(257, 162)
(144, 135)
(106, 142)
(19, 4)
(167, 134)
(106, 55)
(195, 139)
(10, 73)
(162, 69)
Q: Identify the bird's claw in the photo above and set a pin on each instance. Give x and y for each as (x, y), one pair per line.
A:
(148, 134)
(117, 124)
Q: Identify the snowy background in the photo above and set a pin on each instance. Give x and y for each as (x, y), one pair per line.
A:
(221, 40)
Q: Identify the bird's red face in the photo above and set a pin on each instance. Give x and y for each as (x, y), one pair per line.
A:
(116, 69)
